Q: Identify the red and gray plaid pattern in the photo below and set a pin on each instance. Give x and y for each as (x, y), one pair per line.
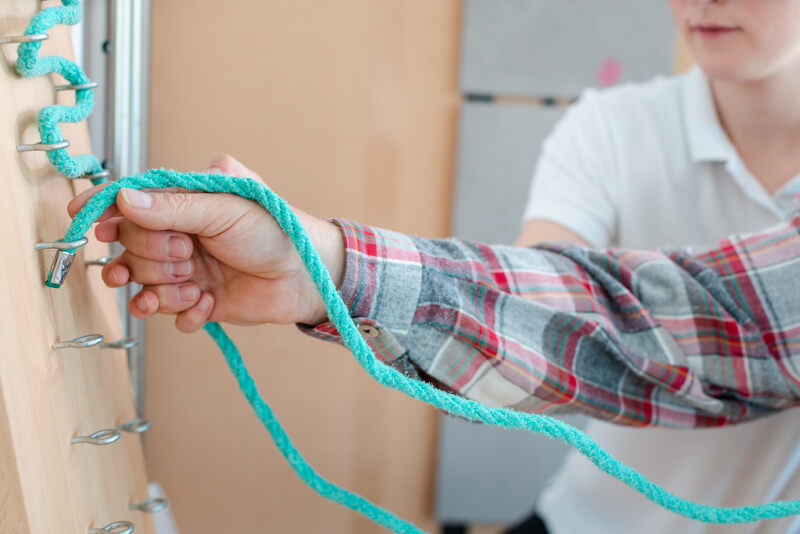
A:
(665, 337)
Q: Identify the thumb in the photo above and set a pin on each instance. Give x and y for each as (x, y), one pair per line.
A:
(193, 213)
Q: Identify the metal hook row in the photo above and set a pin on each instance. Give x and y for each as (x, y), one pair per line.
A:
(58, 271)
(149, 506)
(47, 147)
(110, 435)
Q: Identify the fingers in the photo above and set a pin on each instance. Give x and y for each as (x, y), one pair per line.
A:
(131, 268)
(149, 244)
(205, 214)
(195, 317)
(165, 298)
(190, 319)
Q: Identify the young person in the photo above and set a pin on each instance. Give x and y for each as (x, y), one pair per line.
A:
(680, 161)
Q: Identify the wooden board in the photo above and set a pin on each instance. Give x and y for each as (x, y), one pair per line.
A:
(47, 396)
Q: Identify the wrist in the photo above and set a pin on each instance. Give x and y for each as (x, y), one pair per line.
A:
(327, 238)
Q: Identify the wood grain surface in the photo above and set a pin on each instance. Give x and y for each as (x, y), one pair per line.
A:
(47, 396)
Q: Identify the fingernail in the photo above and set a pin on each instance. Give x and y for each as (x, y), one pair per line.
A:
(187, 293)
(180, 268)
(176, 248)
(115, 275)
(141, 303)
(214, 170)
(205, 302)
(136, 198)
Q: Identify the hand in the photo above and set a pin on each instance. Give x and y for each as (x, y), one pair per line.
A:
(213, 257)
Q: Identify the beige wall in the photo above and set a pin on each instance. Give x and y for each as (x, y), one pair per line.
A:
(347, 108)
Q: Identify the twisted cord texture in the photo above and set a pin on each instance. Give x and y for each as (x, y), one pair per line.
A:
(29, 64)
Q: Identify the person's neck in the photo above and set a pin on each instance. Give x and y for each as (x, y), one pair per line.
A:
(762, 119)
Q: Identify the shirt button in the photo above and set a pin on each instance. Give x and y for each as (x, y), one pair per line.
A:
(367, 330)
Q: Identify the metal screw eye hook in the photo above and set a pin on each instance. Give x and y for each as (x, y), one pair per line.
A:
(101, 437)
(76, 87)
(43, 147)
(105, 260)
(105, 173)
(137, 426)
(61, 244)
(117, 527)
(150, 506)
(124, 344)
(62, 260)
(28, 38)
(83, 342)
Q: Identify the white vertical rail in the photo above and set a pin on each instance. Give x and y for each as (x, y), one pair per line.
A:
(128, 58)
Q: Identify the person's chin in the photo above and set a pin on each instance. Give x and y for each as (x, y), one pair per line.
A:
(726, 68)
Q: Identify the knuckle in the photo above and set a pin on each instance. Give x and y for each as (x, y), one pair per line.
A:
(151, 246)
(226, 162)
(179, 203)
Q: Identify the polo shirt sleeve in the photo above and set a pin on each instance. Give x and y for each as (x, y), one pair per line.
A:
(574, 180)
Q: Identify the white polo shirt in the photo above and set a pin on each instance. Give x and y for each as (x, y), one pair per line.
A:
(638, 166)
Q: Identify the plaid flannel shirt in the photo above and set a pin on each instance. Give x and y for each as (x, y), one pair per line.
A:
(670, 337)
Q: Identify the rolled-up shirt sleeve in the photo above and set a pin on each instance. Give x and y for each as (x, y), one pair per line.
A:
(670, 337)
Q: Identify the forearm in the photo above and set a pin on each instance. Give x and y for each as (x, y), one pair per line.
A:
(636, 337)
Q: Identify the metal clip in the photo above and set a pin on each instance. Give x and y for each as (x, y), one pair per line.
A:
(27, 38)
(104, 260)
(150, 506)
(78, 87)
(43, 147)
(124, 344)
(137, 426)
(117, 527)
(62, 260)
(83, 342)
(101, 437)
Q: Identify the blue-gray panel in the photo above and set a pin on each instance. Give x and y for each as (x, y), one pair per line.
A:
(558, 47)
(492, 476)
(487, 475)
(498, 147)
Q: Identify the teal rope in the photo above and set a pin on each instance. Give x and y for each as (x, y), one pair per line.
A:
(340, 316)
(29, 64)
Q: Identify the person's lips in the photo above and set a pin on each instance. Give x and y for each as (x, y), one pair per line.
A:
(712, 31)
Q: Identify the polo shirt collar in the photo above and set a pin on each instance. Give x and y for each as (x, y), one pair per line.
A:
(707, 140)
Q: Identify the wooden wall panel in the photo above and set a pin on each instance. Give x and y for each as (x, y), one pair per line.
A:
(46, 396)
(346, 108)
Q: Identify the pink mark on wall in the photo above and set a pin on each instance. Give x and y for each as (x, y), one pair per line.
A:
(609, 73)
